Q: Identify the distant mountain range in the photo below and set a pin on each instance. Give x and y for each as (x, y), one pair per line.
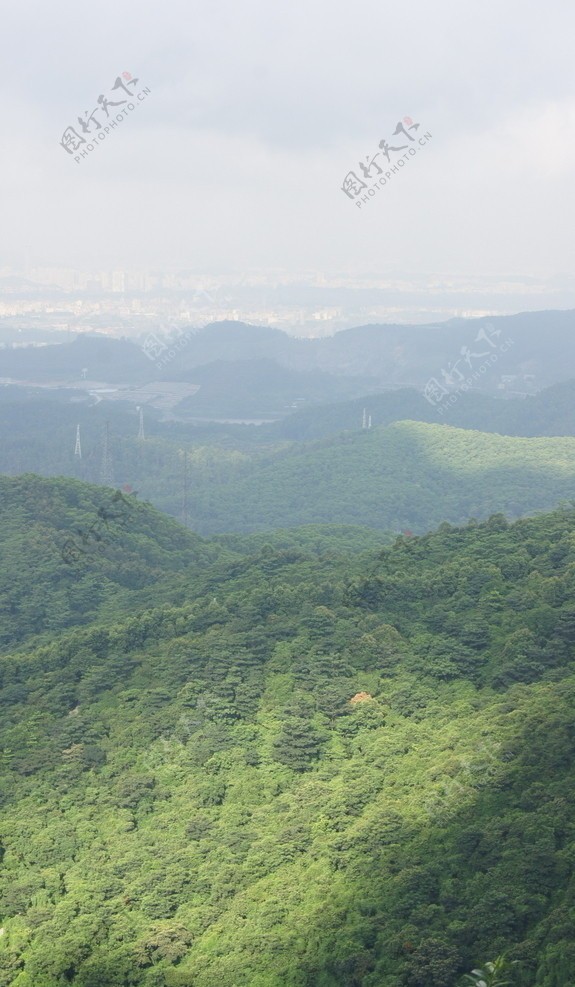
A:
(520, 353)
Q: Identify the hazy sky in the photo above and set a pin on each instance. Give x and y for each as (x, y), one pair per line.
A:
(258, 110)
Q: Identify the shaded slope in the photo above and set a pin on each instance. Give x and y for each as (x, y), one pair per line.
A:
(262, 388)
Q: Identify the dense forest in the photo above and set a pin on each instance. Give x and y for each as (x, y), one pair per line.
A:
(305, 768)
(95, 552)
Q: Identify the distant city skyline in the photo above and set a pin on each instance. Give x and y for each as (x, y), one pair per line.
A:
(131, 302)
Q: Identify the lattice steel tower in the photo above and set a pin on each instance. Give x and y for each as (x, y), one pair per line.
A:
(78, 448)
(106, 468)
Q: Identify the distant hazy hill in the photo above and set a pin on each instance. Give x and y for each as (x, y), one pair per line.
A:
(533, 349)
(103, 359)
(549, 412)
(263, 389)
(538, 345)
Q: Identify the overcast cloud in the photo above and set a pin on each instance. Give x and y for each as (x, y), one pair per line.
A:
(256, 113)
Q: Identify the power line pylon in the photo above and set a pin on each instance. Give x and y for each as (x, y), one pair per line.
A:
(106, 468)
(78, 448)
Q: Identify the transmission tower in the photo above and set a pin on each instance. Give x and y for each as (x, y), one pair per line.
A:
(141, 433)
(106, 468)
(364, 419)
(78, 448)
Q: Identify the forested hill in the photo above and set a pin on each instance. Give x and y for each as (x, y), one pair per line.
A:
(409, 475)
(70, 552)
(311, 772)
